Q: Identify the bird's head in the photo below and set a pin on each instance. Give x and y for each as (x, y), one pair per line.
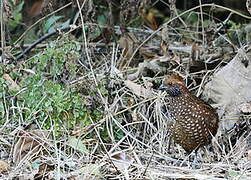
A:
(174, 85)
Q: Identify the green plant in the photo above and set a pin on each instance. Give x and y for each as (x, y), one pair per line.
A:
(45, 98)
(17, 16)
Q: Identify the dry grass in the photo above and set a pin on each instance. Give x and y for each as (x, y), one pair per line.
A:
(139, 141)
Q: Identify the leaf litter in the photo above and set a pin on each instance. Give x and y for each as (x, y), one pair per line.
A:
(217, 71)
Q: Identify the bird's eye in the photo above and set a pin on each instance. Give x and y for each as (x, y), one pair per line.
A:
(170, 84)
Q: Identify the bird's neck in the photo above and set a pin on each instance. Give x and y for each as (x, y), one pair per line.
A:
(178, 91)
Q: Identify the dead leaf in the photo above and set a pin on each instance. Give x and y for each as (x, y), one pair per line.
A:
(138, 89)
(195, 52)
(12, 84)
(83, 130)
(249, 155)
(77, 144)
(88, 171)
(4, 166)
(127, 42)
(29, 144)
(148, 53)
(122, 161)
(156, 65)
(44, 170)
(29, 71)
(150, 18)
(33, 8)
(230, 87)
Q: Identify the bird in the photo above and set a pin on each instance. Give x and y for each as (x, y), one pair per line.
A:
(193, 121)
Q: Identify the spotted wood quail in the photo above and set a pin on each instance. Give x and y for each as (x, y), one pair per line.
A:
(193, 122)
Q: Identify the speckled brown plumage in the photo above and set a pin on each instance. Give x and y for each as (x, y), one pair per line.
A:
(193, 121)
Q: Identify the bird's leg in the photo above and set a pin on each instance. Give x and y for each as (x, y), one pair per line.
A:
(196, 162)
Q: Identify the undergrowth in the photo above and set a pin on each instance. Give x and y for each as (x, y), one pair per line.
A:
(46, 96)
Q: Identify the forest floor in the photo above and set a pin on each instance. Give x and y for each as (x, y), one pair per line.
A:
(88, 106)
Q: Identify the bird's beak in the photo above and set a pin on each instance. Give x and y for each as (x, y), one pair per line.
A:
(162, 87)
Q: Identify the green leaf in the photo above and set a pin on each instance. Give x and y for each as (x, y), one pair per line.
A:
(101, 20)
(77, 144)
(50, 22)
(233, 173)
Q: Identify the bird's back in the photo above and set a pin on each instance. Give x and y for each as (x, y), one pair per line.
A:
(194, 121)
